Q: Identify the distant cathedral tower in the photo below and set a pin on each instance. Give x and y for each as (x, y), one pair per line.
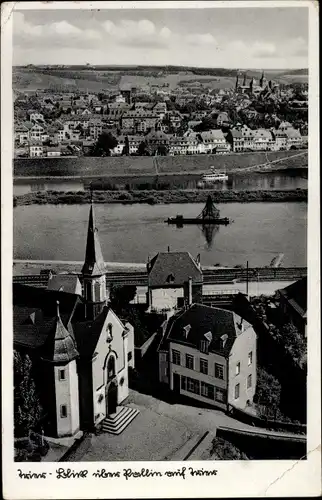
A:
(95, 294)
(263, 81)
(244, 82)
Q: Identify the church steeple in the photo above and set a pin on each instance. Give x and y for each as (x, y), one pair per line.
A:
(94, 262)
(263, 80)
(95, 293)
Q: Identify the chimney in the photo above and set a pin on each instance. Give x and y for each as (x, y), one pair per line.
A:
(189, 291)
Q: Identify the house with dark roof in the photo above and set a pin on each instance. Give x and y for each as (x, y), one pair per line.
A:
(293, 303)
(209, 354)
(80, 350)
(174, 279)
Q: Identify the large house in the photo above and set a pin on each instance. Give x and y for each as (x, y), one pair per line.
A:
(81, 351)
(209, 354)
(174, 279)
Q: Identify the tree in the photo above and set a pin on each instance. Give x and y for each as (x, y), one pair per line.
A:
(268, 393)
(126, 149)
(121, 296)
(105, 142)
(27, 407)
(142, 149)
(162, 150)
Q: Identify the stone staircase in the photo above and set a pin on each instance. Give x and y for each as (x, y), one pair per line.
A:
(118, 421)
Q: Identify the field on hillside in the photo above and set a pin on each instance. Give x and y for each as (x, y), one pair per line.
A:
(94, 81)
(69, 78)
(145, 165)
(215, 82)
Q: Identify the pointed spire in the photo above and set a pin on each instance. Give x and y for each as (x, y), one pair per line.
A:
(94, 262)
(60, 345)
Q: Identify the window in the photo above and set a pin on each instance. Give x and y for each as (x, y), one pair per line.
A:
(109, 335)
(204, 390)
(203, 366)
(129, 356)
(249, 381)
(220, 395)
(250, 358)
(176, 359)
(193, 385)
(237, 391)
(111, 367)
(189, 361)
(61, 375)
(238, 368)
(219, 371)
(183, 382)
(207, 390)
(63, 411)
(204, 344)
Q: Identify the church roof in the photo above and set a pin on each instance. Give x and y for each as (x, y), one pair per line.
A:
(60, 345)
(94, 262)
(87, 333)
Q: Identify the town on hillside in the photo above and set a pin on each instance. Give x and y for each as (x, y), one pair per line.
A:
(190, 119)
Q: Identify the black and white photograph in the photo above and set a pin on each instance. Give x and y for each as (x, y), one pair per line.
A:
(161, 266)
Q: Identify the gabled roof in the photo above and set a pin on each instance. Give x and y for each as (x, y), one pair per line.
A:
(173, 269)
(87, 333)
(65, 283)
(94, 262)
(217, 326)
(296, 295)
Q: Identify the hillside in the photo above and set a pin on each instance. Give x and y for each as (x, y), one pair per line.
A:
(104, 77)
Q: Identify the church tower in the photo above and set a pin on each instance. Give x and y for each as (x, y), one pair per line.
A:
(244, 81)
(237, 81)
(263, 81)
(93, 272)
(59, 355)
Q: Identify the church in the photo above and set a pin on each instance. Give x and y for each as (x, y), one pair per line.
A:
(81, 351)
(263, 87)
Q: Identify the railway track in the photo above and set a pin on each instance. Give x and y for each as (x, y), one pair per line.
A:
(213, 276)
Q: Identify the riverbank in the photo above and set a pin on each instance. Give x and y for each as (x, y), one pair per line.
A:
(123, 166)
(153, 197)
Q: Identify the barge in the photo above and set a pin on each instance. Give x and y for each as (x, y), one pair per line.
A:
(210, 215)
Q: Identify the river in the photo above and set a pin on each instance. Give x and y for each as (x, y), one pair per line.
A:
(132, 233)
(286, 179)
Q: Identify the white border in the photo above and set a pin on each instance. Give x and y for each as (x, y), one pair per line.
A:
(234, 479)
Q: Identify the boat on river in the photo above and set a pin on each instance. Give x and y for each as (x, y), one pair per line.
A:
(210, 215)
(213, 177)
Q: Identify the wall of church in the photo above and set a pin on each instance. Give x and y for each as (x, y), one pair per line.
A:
(67, 399)
(106, 348)
(130, 345)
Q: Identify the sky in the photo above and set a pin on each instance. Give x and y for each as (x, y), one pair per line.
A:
(265, 38)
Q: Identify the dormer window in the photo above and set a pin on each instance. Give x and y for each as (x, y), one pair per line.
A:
(170, 278)
(204, 346)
